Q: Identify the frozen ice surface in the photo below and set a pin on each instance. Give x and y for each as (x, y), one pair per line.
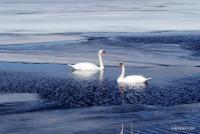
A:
(17, 97)
(49, 16)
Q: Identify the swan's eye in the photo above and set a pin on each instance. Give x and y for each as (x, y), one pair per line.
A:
(120, 64)
(103, 51)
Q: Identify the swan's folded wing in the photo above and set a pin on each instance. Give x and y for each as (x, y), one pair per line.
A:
(134, 79)
(85, 66)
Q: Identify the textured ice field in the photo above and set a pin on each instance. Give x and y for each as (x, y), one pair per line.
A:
(59, 84)
(50, 16)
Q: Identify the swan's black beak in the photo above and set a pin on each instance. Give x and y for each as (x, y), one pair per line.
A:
(103, 52)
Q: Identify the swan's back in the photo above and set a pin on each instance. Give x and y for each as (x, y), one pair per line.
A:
(135, 79)
(85, 66)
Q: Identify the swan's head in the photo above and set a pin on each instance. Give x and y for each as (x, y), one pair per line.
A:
(121, 64)
(102, 52)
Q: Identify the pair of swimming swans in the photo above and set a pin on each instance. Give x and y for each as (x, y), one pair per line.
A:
(133, 79)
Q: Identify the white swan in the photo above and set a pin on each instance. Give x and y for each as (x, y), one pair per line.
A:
(90, 66)
(133, 79)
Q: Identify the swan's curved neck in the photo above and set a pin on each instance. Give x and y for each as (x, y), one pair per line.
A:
(101, 62)
(121, 77)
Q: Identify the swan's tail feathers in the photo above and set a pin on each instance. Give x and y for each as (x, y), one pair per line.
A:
(148, 79)
(71, 65)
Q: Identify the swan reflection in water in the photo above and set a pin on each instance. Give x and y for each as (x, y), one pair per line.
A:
(135, 86)
(88, 74)
(123, 88)
(123, 130)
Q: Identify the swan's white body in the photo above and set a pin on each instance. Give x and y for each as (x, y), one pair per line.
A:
(133, 79)
(85, 66)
